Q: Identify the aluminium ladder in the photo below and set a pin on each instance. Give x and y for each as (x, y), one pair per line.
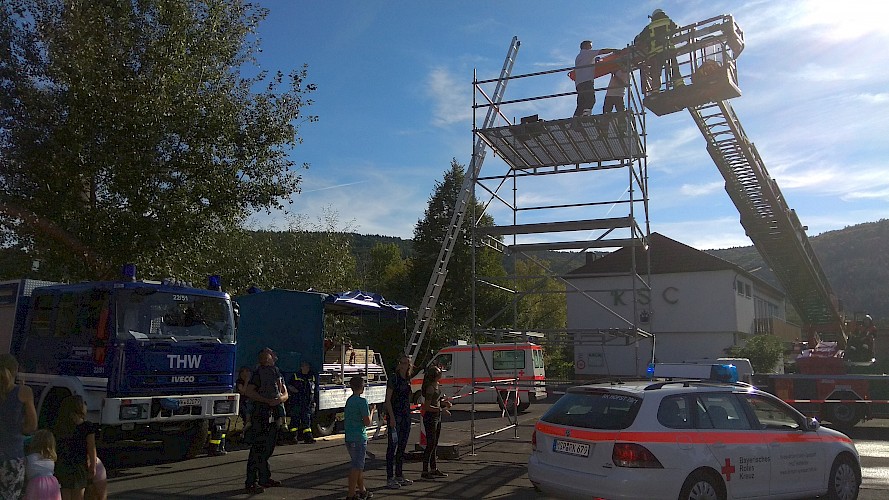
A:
(436, 281)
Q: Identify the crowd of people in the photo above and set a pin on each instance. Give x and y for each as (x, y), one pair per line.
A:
(45, 464)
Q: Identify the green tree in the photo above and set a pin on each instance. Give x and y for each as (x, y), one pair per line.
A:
(763, 351)
(453, 312)
(128, 132)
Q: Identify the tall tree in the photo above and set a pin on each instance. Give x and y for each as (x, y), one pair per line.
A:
(129, 133)
(453, 312)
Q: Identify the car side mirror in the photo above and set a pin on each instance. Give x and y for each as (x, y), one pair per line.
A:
(813, 424)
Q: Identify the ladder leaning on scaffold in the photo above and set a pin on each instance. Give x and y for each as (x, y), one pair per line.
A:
(436, 281)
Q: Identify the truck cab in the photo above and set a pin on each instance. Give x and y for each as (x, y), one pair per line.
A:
(153, 360)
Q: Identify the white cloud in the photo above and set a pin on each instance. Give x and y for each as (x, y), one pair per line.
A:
(450, 97)
(701, 189)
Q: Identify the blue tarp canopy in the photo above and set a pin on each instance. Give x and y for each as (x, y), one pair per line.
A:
(358, 303)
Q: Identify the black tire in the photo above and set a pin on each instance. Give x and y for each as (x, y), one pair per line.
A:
(702, 485)
(324, 424)
(197, 438)
(49, 410)
(524, 405)
(844, 479)
(415, 397)
(845, 415)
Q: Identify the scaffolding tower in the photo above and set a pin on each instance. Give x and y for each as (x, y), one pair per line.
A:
(605, 153)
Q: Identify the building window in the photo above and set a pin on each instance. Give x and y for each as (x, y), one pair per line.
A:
(740, 287)
(747, 291)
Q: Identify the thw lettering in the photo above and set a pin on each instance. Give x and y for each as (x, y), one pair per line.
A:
(184, 361)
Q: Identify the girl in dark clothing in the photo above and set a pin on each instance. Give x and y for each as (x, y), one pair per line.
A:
(75, 447)
(434, 403)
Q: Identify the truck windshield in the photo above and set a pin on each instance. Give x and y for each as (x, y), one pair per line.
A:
(146, 313)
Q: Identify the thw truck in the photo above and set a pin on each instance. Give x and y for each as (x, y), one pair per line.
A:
(154, 361)
(291, 323)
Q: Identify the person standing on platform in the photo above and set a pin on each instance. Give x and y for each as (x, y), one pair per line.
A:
(585, 76)
(614, 96)
(653, 43)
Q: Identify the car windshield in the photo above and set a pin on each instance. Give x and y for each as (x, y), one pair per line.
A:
(146, 313)
(594, 410)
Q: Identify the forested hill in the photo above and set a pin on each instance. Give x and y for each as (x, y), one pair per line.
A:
(855, 260)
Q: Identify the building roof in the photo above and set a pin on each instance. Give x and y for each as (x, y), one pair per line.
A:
(667, 256)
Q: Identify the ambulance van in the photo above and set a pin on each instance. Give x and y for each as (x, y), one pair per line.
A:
(514, 370)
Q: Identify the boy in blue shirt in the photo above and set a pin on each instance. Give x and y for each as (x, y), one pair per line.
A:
(356, 419)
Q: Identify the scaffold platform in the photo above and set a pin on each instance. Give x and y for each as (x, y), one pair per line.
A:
(567, 141)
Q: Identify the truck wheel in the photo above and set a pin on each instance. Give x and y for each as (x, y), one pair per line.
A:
(843, 480)
(197, 438)
(845, 415)
(189, 442)
(416, 397)
(324, 424)
(524, 405)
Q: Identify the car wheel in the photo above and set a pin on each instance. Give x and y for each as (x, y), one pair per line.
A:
(702, 485)
(843, 481)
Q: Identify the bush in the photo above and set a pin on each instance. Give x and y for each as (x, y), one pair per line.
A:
(763, 351)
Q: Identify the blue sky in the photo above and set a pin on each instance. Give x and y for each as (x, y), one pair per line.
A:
(395, 93)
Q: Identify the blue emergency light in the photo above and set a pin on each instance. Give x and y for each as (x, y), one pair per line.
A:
(214, 282)
(716, 372)
(129, 271)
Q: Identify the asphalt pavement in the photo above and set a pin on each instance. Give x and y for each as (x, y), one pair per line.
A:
(495, 468)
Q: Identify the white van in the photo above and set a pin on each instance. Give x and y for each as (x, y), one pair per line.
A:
(515, 369)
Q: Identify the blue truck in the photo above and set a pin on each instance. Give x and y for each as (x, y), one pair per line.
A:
(154, 360)
(291, 323)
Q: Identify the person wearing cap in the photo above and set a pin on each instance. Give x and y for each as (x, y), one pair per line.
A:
(585, 75)
(653, 43)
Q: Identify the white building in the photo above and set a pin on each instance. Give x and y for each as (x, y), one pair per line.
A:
(699, 306)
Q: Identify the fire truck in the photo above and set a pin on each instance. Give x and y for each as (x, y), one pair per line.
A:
(830, 380)
(153, 360)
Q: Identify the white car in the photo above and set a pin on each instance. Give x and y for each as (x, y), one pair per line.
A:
(687, 439)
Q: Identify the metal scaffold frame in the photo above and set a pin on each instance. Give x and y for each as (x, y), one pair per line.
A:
(535, 152)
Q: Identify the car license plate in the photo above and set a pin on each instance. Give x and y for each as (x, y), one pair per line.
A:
(189, 401)
(571, 448)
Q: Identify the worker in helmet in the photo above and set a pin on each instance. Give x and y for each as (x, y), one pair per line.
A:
(653, 44)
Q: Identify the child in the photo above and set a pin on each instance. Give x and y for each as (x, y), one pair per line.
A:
(76, 448)
(434, 404)
(357, 418)
(40, 465)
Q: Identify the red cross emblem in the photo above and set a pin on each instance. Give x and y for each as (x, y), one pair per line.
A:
(728, 469)
(521, 373)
